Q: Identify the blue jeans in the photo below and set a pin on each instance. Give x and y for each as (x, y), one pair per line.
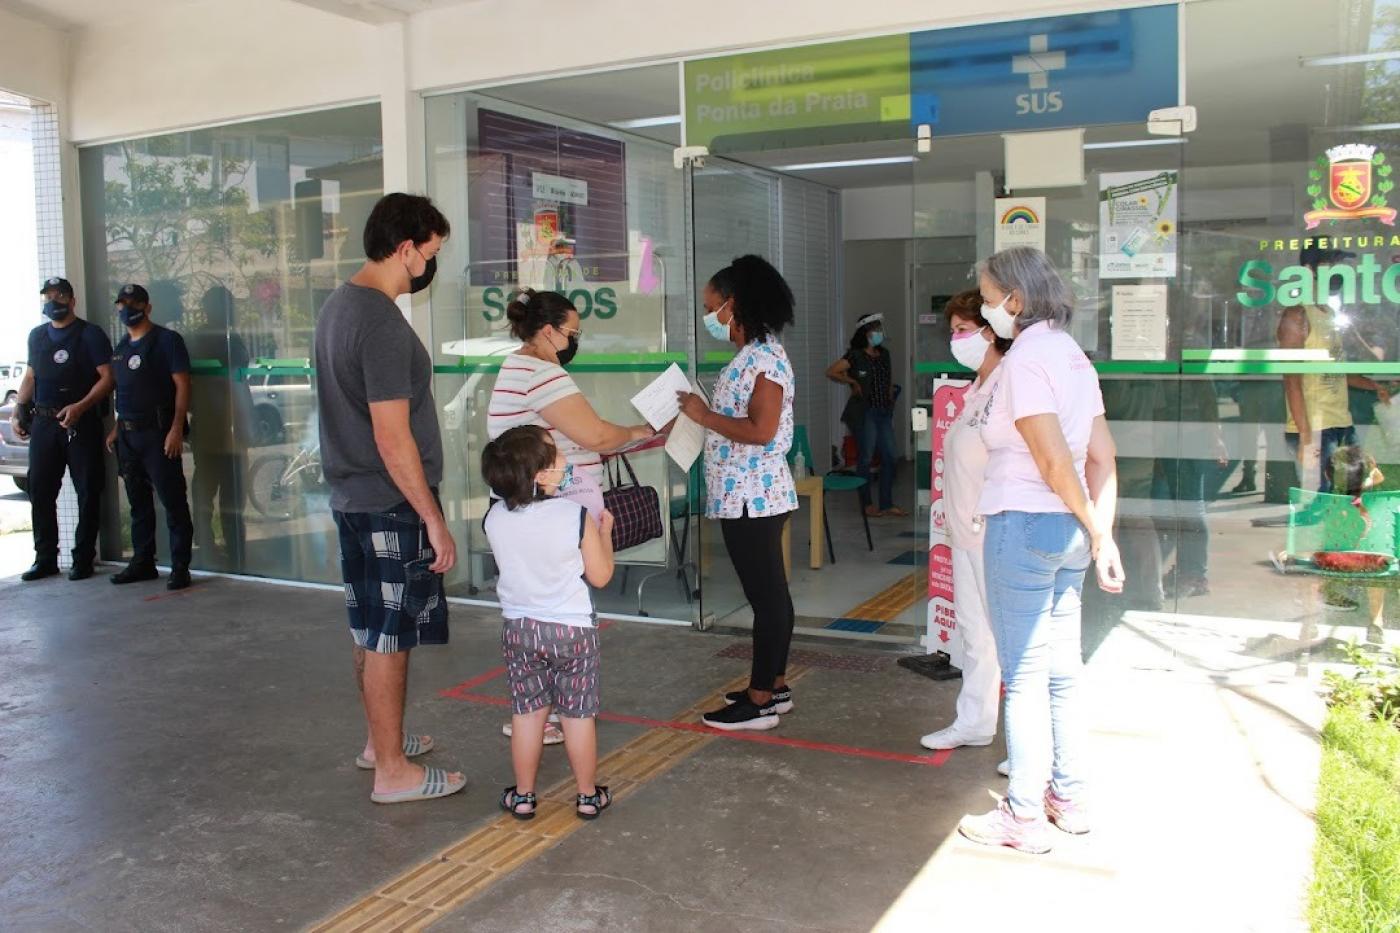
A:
(1183, 483)
(877, 434)
(1329, 439)
(1035, 573)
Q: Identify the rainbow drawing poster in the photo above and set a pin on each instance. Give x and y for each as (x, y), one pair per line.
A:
(1020, 222)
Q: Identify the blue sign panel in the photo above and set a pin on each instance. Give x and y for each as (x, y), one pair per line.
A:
(1036, 74)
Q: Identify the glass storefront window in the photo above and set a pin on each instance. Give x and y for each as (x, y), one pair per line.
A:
(239, 233)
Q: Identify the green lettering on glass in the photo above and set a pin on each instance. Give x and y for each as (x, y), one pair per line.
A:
(1295, 287)
(494, 299)
(1260, 288)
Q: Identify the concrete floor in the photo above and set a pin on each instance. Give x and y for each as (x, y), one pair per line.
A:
(184, 762)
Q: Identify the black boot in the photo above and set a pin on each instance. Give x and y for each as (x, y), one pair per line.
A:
(135, 573)
(179, 579)
(80, 572)
(39, 571)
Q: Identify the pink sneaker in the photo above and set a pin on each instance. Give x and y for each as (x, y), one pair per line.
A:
(1001, 827)
(1070, 817)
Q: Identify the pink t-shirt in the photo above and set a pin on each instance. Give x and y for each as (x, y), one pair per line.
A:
(1045, 373)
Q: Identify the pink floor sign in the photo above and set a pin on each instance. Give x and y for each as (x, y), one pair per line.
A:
(942, 630)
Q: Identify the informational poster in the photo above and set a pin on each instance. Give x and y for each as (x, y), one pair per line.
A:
(941, 632)
(1140, 321)
(1020, 222)
(1137, 225)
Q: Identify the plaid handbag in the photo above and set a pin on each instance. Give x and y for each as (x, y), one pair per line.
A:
(636, 509)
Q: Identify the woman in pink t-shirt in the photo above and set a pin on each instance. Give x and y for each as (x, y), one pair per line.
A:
(1047, 505)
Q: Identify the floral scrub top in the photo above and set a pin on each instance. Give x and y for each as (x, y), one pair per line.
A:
(747, 476)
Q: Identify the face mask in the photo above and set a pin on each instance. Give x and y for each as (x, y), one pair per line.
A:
(877, 337)
(566, 480)
(570, 351)
(712, 324)
(131, 316)
(1003, 321)
(56, 310)
(419, 282)
(970, 349)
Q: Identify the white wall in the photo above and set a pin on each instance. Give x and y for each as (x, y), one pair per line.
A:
(887, 213)
(215, 62)
(33, 59)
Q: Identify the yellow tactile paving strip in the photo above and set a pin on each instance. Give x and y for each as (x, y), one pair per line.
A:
(887, 605)
(428, 891)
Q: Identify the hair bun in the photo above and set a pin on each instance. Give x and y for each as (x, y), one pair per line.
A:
(518, 309)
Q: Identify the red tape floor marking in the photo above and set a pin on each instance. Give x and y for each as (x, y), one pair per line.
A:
(936, 760)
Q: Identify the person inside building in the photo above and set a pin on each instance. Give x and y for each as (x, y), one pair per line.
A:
(222, 431)
(152, 371)
(1048, 501)
(61, 402)
(869, 413)
(1319, 409)
(975, 346)
(749, 487)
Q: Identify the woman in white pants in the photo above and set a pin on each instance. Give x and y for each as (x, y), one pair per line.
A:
(965, 460)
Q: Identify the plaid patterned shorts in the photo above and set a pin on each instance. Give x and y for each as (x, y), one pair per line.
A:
(551, 665)
(393, 600)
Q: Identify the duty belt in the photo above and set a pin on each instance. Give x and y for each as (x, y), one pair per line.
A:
(43, 411)
(139, 424)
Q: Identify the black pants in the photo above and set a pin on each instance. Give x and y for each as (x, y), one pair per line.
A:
(141, 455)
(50, 452)
(755, 546)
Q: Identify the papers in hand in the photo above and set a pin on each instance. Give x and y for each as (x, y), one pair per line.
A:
(658, 404)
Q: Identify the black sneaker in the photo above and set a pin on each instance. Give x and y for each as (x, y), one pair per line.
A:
(179, 579)
(782, 698)
(39, 572)
(134, 573)
(743, 715)
(80, 572)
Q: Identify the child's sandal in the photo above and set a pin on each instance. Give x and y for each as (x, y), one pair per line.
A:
(512, 800)
(599, 800)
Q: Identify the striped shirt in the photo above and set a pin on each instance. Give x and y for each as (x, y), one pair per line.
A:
(526, 387)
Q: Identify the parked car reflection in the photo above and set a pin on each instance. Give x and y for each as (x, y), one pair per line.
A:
(14, 453)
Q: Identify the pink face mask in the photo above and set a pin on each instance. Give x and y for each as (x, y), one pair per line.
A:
(970, 348)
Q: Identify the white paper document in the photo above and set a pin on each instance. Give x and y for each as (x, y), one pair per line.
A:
(1140, 321)
(657, 401)
(659, 406)
(686, 442)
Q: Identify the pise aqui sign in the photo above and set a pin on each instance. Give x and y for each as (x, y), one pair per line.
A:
(600, 303)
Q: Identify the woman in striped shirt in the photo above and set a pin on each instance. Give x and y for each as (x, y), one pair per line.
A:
(533, 388)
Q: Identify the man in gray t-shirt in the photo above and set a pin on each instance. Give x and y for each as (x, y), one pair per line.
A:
(382, 455)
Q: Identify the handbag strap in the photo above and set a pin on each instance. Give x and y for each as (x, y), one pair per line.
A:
(630, 472)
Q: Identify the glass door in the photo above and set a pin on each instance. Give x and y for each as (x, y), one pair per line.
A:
(732, 211)
(1113, 237)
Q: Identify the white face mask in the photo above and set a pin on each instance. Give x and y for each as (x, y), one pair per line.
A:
(1003, 321)
(970, 349)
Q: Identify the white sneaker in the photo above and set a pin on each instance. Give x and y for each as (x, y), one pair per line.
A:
(1004, 769)
(953, 737)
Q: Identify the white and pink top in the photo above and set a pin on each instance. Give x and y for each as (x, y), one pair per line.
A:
(965, 469)
(1044, 373)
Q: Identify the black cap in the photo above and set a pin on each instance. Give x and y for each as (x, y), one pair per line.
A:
(59, 283)
(133, 292)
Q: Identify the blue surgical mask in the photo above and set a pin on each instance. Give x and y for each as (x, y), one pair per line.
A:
(877, 337)
(566, 480)
(717, 330)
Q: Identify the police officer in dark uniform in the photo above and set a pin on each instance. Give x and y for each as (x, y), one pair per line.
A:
(62, 399)
(152, 371)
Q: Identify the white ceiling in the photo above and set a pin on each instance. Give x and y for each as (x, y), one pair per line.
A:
(84, 14)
